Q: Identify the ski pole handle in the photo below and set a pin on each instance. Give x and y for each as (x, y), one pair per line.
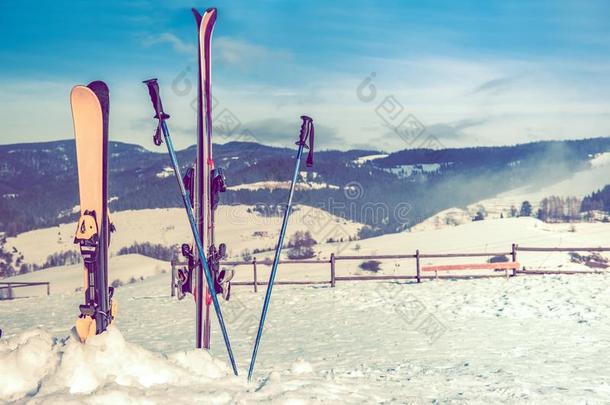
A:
(155, 97)
(307, 132)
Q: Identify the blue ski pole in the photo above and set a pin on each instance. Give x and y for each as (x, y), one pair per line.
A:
(307, 132)
(153, 90)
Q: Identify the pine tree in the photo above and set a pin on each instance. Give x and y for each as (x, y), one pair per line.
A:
(6, 259)
(526, 209)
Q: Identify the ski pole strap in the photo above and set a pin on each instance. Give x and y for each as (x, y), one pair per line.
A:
(155, 97)
(307, 133)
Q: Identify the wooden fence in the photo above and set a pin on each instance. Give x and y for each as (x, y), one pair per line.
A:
(9, 286)
(417, 257)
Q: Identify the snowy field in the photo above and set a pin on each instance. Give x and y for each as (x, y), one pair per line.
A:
(67, 279)
(528, 340)
(481, 236)
(538, 339)
(237, 226)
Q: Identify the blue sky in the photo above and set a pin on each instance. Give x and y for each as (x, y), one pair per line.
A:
(470, 73)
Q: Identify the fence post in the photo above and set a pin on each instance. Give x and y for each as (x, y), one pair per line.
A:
(332, 270)
(514, 257)
(173, 285)
(10, 291)
(48, 288)
(254, 270)
(417, 265)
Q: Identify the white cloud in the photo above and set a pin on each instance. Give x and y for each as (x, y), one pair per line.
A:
(463, 101)
(232, 51)
(176, 43)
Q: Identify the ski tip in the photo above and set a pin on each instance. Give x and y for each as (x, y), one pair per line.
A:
(197, 16)
(98, 85)
(103, 95)
(210, 16)
(81, 94)
(78, 88)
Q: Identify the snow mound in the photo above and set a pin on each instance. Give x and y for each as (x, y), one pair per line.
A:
(35, 363)
(24, 361)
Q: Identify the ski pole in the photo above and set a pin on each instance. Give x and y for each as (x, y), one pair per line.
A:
(307, 132)
(153, 91)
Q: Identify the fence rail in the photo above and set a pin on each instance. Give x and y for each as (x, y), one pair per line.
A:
(417, 256)
(20, 284)
(564, 249)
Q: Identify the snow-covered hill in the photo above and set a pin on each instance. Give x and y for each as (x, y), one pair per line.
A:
(238, 226)
(388, 342)
(578, 185)
(480, 236)
(493, 235)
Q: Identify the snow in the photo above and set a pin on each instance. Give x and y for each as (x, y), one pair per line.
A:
(34, 362)
(538, 339)
(445, 218)
(67, 279)
(65, 213)
(242, 230)
(601, 160)
(364, 159)
(495, 341)
(167, 171)
(169, 226)
(301, 367)
(281, 185)
(492, 235)
(24, 360)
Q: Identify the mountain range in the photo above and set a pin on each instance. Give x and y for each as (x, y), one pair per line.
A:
(388, 192)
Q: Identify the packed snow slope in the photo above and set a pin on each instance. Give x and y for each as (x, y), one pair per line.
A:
(524, 340)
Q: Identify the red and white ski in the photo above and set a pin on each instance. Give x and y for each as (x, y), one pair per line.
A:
(208, 181)
(204, 182)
